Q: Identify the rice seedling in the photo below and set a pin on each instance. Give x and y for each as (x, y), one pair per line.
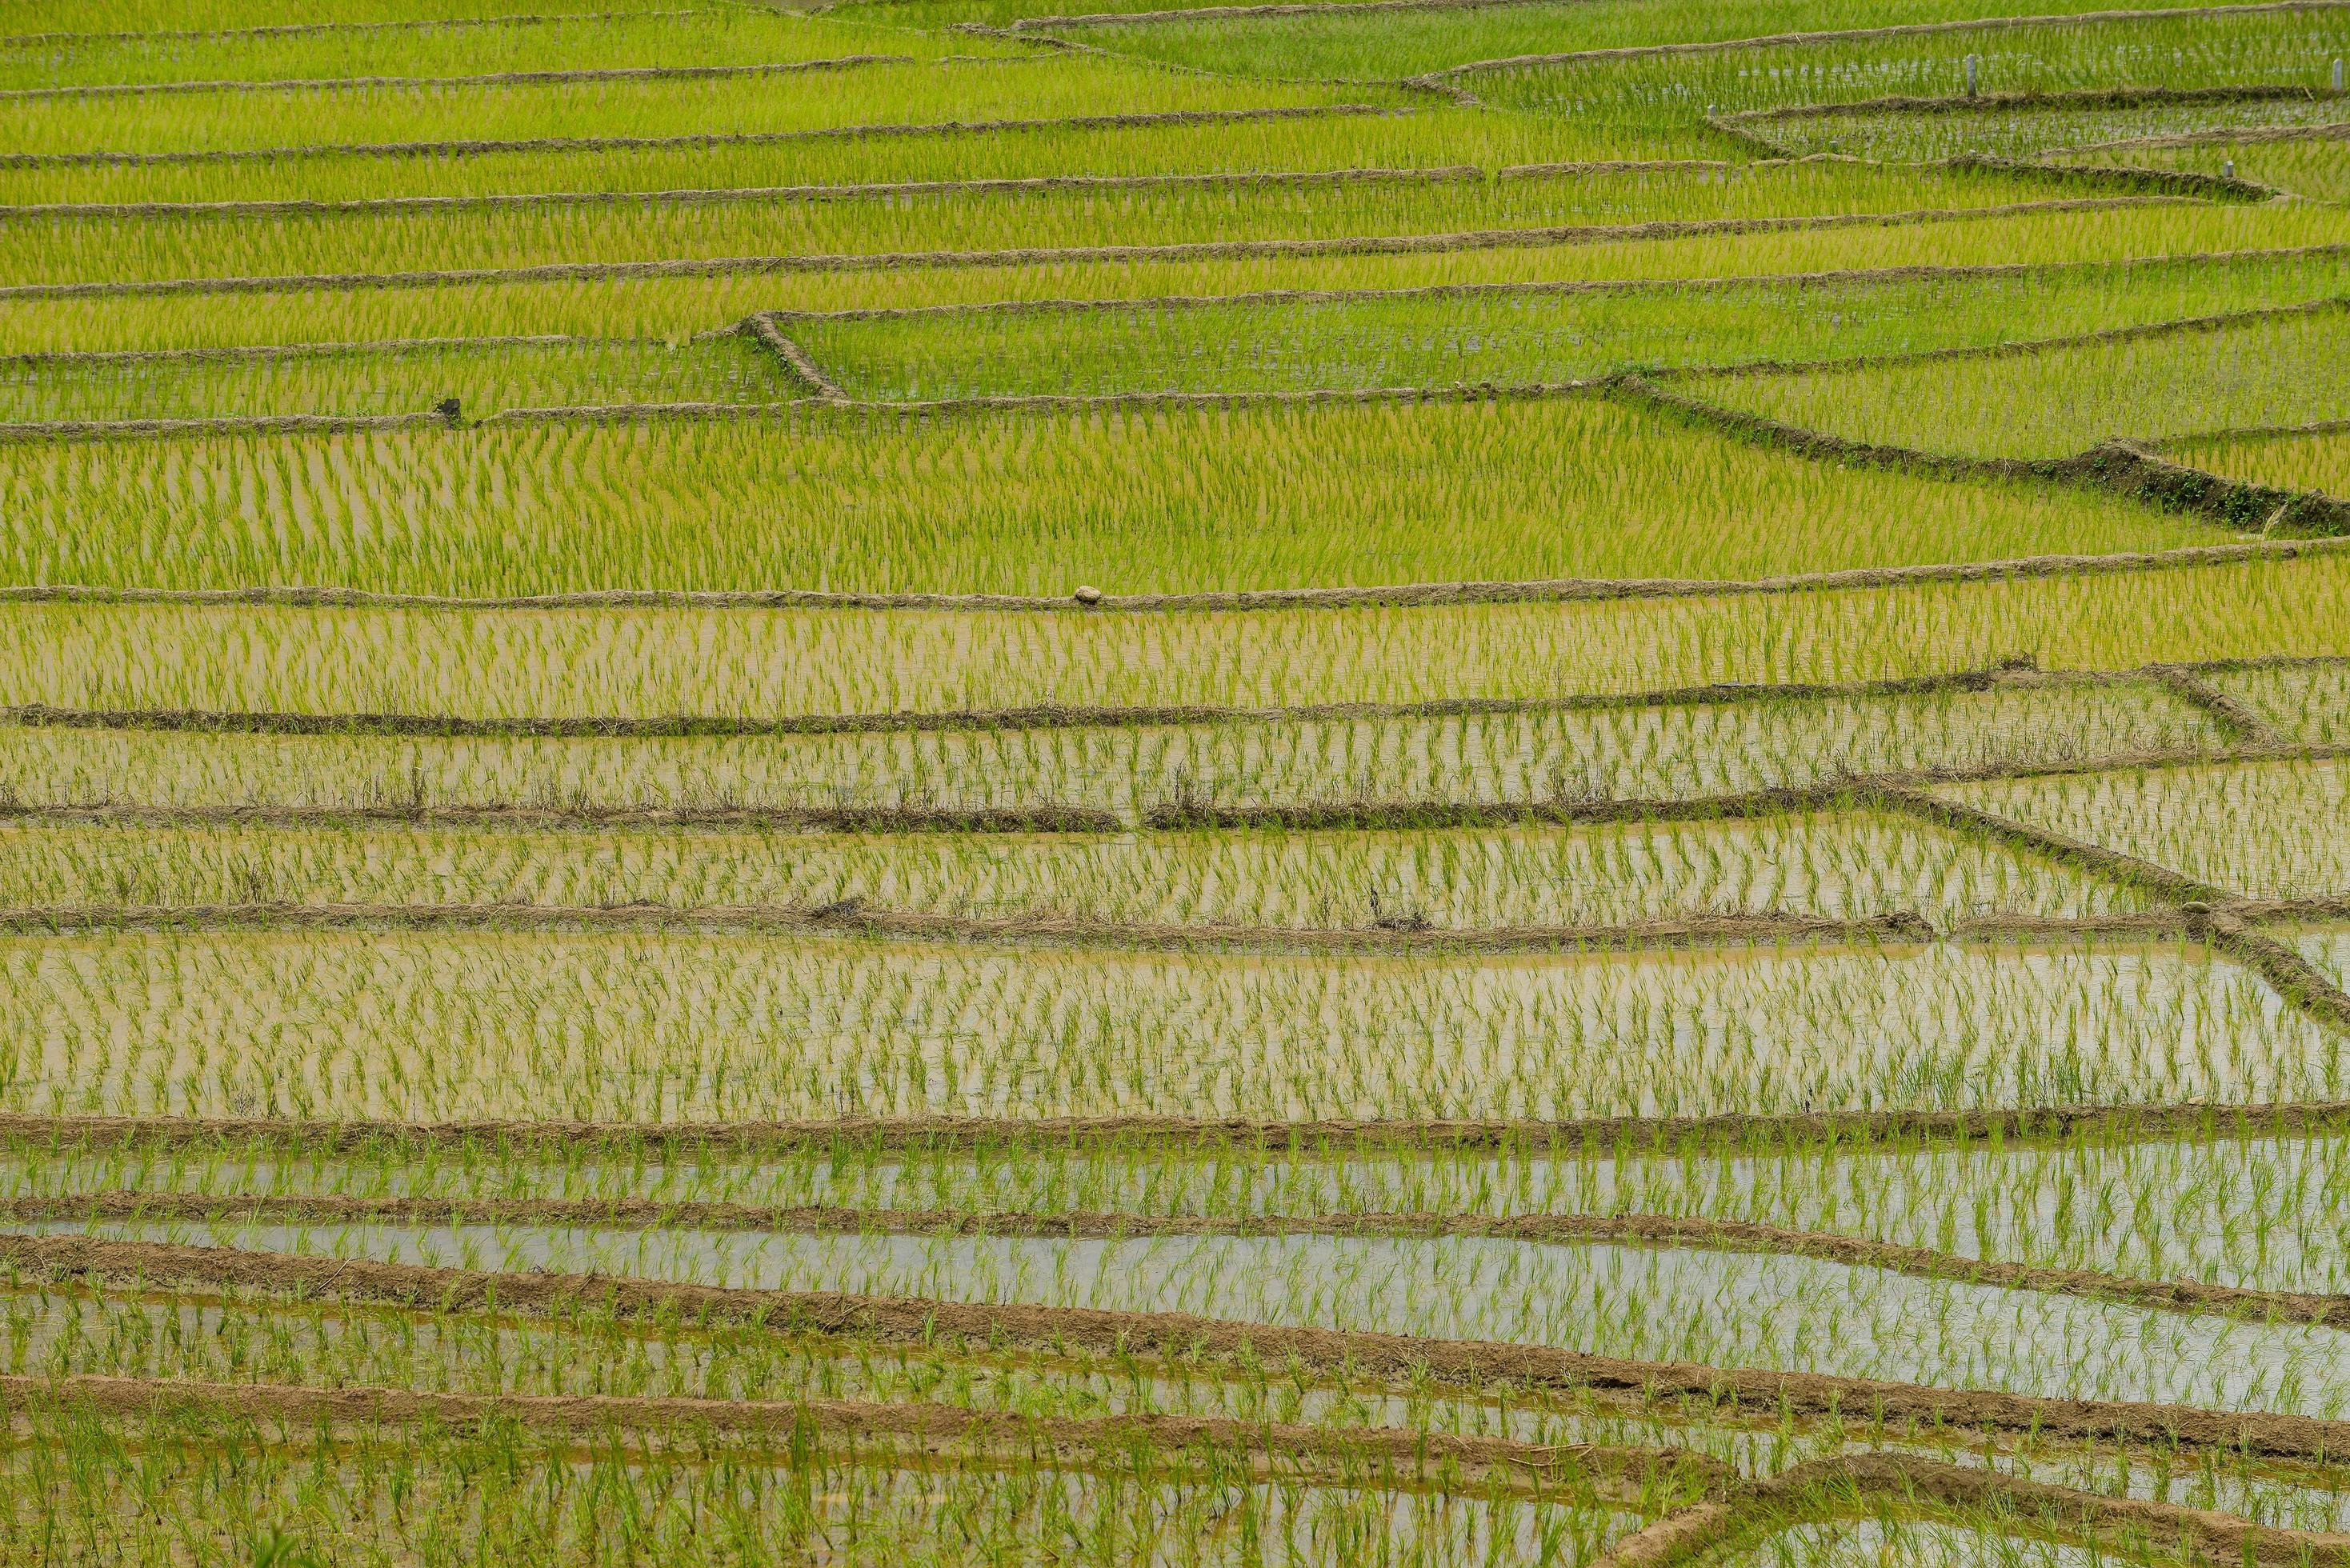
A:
(2285, 371)
(991, 502)
(1679, 751)
(48, 248)
(39, 20)
(2272, 830)
(417, 1013)
(674, 1028)
(2134, 234)
(741, 667)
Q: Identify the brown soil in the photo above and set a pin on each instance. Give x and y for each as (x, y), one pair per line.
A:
(493, 79)
(1362, 1352)
(1650, 1229)
(1205, 250)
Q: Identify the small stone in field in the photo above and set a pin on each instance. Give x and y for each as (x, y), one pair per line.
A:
(1087, 594)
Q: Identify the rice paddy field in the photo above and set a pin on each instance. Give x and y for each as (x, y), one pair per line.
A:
(1100, 781)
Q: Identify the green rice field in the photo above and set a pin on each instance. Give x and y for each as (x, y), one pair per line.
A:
(1400, 782)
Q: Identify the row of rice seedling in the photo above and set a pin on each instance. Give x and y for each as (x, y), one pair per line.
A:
(1368, 44)
(38, 21)
(2269, 829)
(2023, 128)
(2315, 166)
(1398, 339)
(2284, 371)
(2286, 48)
(1169, 499)
(656, 1028)
(1421, 1507)
(1844, 867)
(749, 666)
(44, 248)
(1419, 134)
(2250, 1210)
(609, 38)
(2130, 231)
(925, 92)
(2189, 50)
(395, 380)
(1638, 753)
(257, 1338)
(1654, 1304)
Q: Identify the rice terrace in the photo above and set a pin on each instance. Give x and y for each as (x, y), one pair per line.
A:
(1344, 781)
